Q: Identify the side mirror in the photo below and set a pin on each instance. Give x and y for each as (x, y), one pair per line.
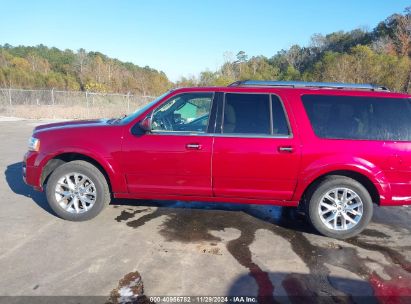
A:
(145, 124)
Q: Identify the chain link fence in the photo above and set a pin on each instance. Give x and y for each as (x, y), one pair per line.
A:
(67, 104)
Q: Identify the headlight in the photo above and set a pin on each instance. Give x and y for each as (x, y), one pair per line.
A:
(34, 144)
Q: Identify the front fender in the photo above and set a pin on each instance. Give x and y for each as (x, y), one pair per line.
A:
(108, 163)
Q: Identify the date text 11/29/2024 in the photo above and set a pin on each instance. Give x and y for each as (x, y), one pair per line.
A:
(203, 299)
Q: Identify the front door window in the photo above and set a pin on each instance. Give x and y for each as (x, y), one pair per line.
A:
(184, 113)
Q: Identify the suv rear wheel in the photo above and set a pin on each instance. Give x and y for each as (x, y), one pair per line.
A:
(77, 191)
(340, 207)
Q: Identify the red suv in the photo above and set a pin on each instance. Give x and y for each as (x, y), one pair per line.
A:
(334, 149)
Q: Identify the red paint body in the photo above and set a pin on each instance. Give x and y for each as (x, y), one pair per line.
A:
(227, 169)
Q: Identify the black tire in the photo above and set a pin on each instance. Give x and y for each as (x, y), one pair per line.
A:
(82, 167)
(329, 183)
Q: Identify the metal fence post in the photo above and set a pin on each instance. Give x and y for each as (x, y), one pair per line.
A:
(88, 110)
(10, 96)
(52, 96)
(128, 102)
(52, 103)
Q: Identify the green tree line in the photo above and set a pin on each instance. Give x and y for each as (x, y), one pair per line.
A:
(381, 56)
(43, 67)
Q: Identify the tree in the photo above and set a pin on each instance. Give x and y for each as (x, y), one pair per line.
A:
(402, 33)
(207, 78)
(241, 56)
(81, 60)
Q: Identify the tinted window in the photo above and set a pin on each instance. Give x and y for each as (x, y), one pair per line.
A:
(246, 114)
(280, 124)
(185, 112)
(349, 117)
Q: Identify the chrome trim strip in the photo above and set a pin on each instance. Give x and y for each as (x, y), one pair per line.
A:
(182, 133)
(253, 136)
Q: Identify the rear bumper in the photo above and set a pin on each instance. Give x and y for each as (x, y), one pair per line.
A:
(400, 194)
(395, 194)
(31, 172)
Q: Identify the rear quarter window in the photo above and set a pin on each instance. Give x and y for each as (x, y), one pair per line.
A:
(354, 117)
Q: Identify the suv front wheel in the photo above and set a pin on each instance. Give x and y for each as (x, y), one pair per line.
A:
(340, 207)
(77, 191)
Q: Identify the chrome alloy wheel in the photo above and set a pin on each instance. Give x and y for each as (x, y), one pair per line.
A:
(75, 193)
(340, 209)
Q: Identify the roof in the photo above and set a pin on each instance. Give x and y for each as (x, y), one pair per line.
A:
(300, 87)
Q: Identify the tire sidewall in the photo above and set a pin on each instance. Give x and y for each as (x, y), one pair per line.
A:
(343, 182)
(77, 168)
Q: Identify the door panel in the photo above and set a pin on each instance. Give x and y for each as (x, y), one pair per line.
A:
(164, 164)
(255, 167)
(256, 155)
(175, 157)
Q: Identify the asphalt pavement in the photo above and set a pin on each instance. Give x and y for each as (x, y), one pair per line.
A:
(161, 249)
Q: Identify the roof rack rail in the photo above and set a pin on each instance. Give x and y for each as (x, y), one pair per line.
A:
(303, 84)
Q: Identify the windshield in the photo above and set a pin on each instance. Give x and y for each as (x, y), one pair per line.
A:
(138, 112)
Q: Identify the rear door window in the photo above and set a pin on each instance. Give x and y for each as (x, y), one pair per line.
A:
(356, 117)
(280, 123)
(247, 114)
(259, 114)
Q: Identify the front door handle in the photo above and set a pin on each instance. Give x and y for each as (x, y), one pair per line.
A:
(285, 149)
(193, 146)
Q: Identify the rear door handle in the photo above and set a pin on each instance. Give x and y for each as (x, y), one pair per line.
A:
(193, 146)
(285, 149)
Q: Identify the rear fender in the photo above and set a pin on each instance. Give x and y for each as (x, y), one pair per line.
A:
(327, 166)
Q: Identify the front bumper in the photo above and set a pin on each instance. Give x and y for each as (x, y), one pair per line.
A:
(31, 172)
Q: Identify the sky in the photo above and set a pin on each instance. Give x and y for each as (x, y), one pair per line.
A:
(183, 37)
